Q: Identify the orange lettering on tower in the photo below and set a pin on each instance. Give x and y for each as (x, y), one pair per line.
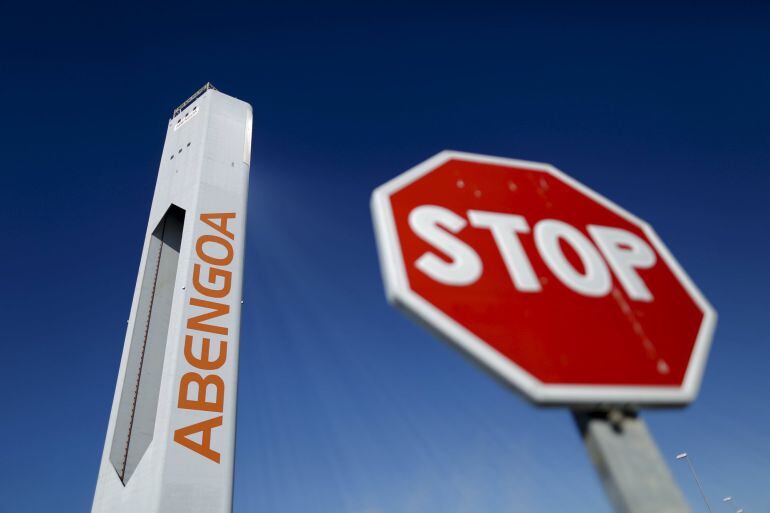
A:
(212, 280)
(204, 449)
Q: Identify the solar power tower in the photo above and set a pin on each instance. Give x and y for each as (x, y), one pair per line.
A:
(171, 435)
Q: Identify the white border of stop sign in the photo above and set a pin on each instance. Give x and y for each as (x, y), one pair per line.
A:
(400, 294)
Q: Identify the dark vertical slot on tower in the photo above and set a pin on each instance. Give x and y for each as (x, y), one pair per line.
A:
(139, 397)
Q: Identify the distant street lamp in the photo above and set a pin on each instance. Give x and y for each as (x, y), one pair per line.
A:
(729, 499)
(683, 456)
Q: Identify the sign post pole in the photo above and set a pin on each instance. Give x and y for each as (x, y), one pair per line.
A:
(632, 471)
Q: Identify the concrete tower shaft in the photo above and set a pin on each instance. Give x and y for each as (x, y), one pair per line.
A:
(170, 439)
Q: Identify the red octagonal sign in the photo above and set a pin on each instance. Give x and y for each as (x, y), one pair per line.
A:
(550, 286)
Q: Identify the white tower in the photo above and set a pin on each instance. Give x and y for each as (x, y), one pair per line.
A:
(171, 436)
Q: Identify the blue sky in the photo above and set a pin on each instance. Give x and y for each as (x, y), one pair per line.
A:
(345, 405)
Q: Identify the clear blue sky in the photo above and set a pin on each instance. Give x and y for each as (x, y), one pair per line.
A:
(344, 405)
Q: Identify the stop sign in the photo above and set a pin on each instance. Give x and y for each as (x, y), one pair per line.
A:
(550, 286)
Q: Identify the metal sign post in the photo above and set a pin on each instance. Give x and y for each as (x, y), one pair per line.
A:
(632, 471)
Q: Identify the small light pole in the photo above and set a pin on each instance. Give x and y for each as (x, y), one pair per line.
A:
(683, 456)
(728, 500)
